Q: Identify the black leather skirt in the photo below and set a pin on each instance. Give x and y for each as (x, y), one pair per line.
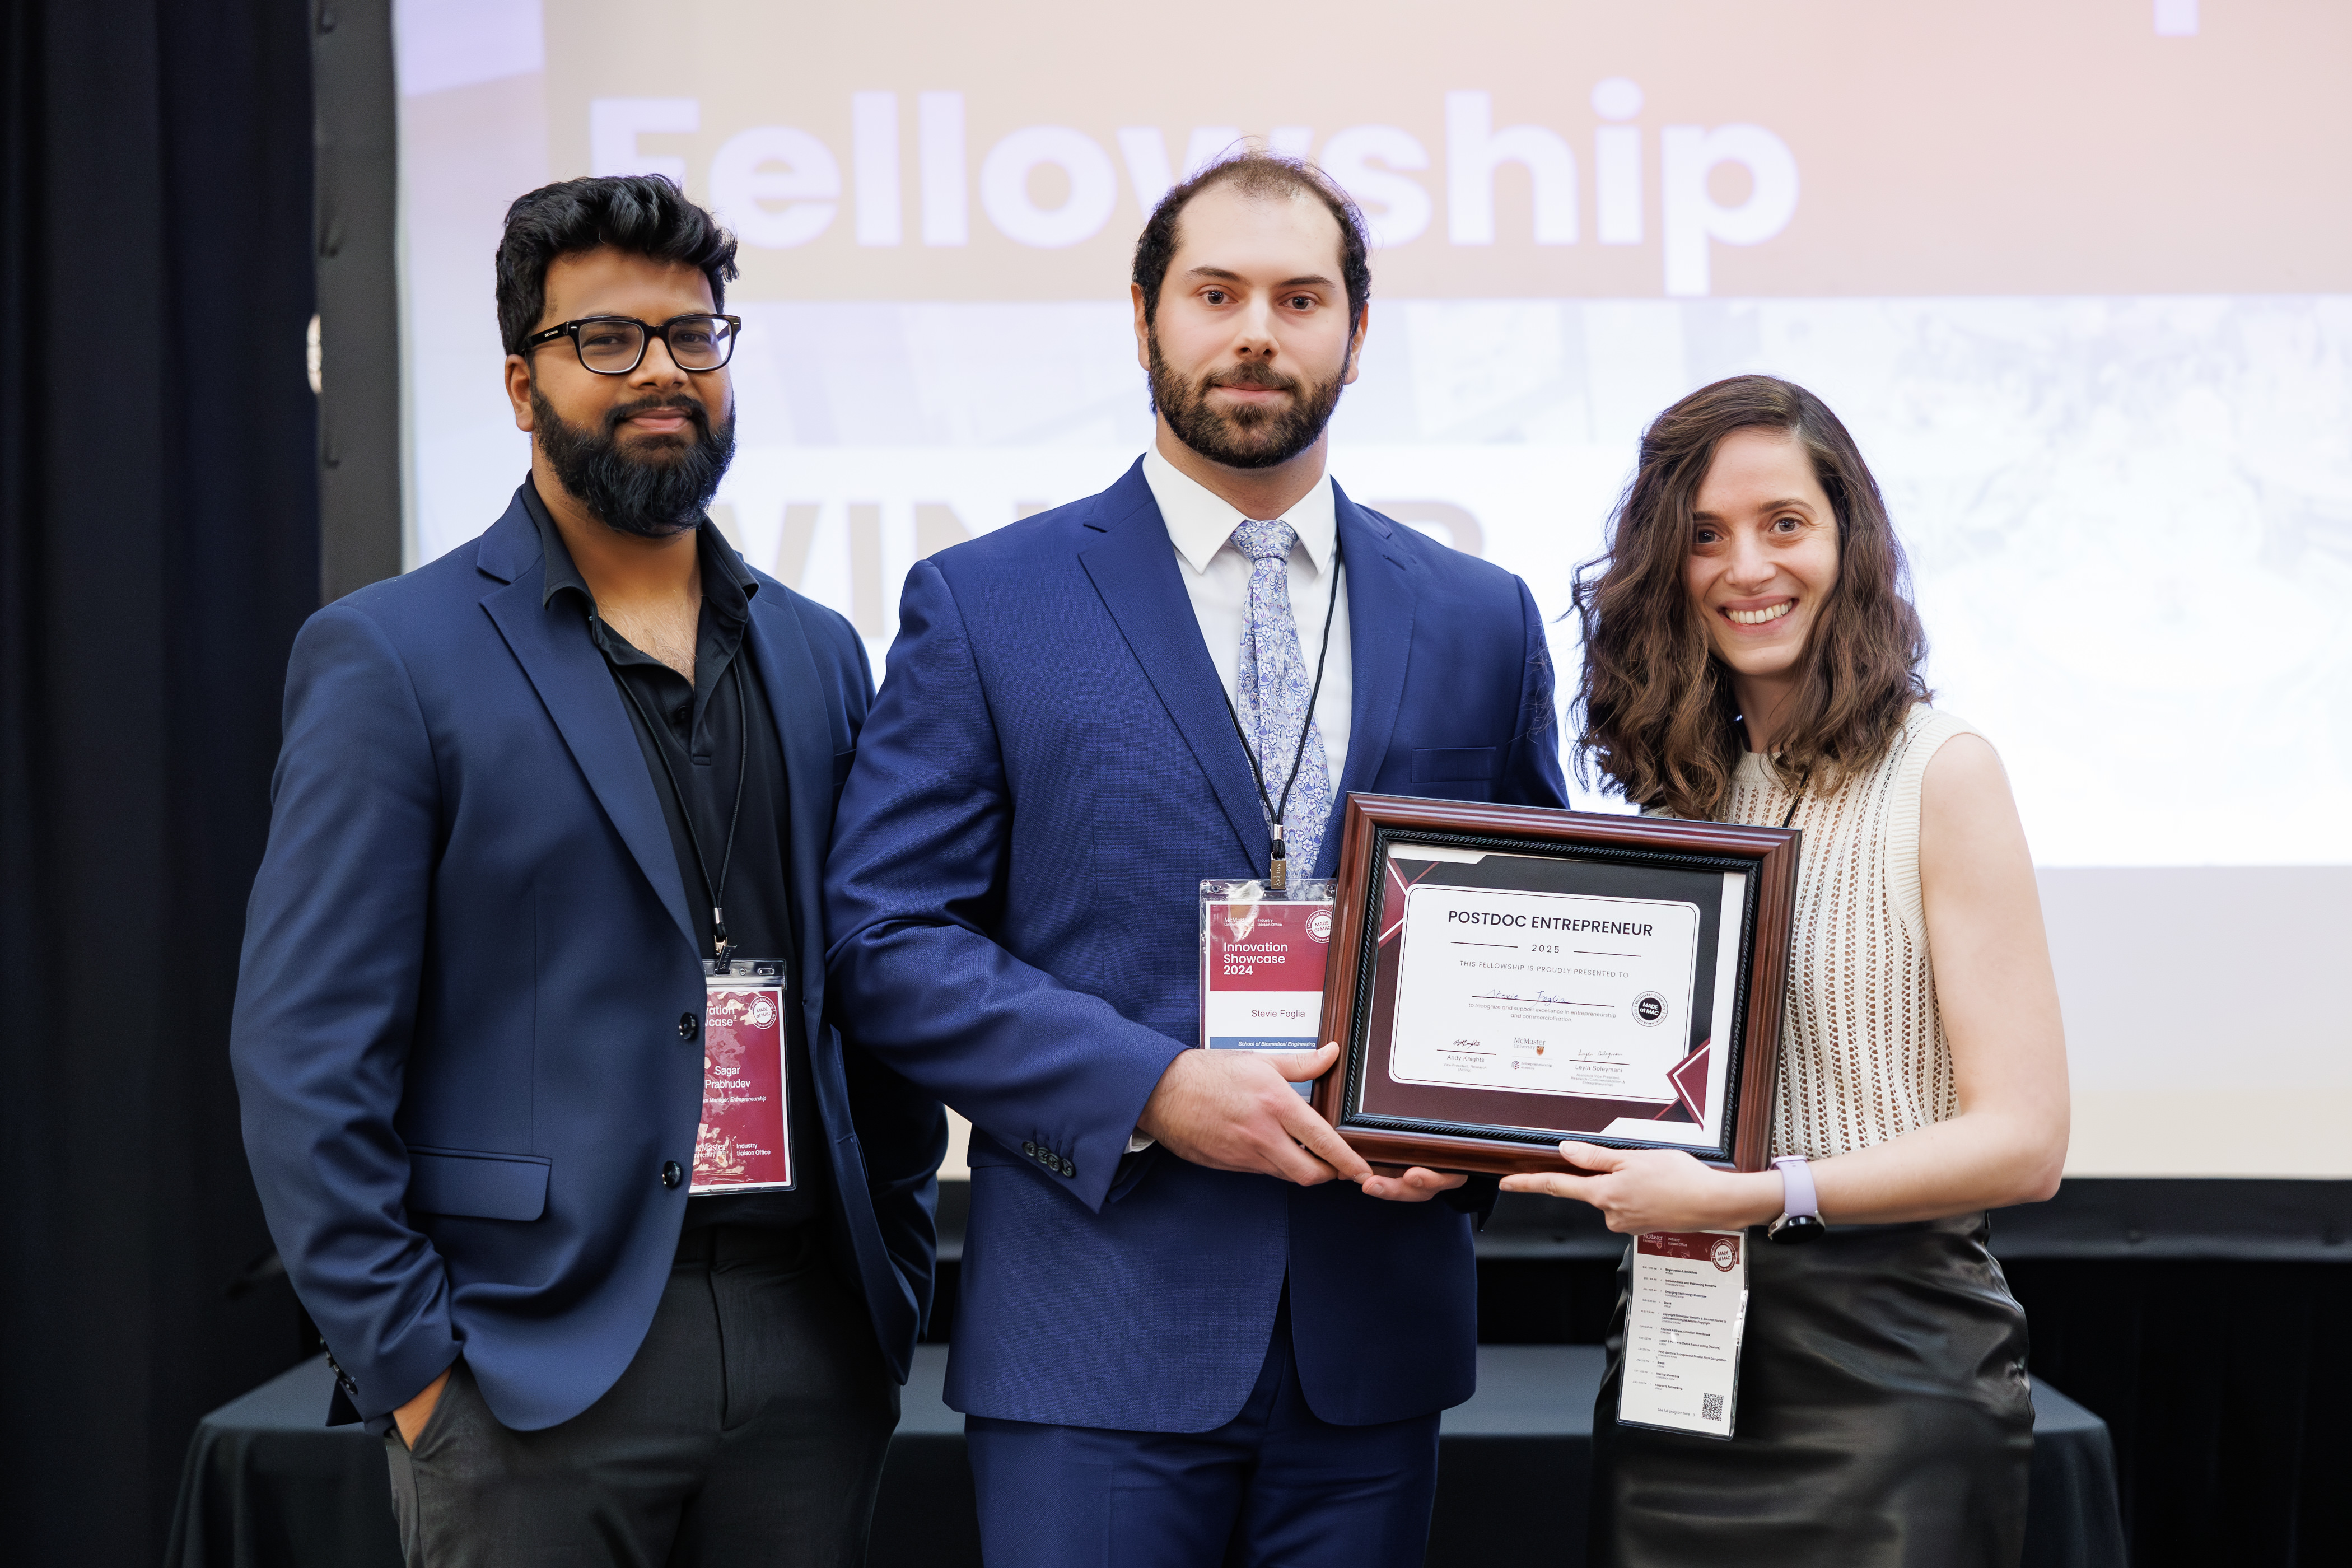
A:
(1885, 1419)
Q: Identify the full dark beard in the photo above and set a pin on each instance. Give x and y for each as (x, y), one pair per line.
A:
(652, 498)
(1247, 437)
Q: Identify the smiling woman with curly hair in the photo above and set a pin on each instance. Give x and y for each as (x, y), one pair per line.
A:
(1661, 704)
(1751, 655)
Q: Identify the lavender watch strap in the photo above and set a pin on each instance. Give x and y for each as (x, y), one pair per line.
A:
(1797, 1195)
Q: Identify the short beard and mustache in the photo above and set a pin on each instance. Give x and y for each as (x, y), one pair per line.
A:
(659, 496)
(1248, 436)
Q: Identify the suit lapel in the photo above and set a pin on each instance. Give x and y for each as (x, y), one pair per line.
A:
(788, 670)
(1382, 598)
(1133, 567)
(572, 680)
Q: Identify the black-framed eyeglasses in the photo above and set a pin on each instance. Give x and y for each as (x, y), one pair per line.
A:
(616, 346)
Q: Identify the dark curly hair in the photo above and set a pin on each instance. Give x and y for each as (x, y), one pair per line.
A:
(643, 215)
(1655, 705)
(1257, 174)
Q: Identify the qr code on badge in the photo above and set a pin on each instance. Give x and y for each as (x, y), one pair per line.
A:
(1710, 1407)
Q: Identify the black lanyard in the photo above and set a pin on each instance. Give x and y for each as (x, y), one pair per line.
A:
(717, 889)
(1278, 873)
(1798, 799)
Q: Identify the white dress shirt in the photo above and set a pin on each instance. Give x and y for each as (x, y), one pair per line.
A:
(1216, 578)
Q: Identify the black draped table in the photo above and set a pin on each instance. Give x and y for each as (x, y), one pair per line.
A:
(267, 1484)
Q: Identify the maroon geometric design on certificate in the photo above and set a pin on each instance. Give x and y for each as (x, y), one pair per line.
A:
(1689, 1078)
(1400, 884)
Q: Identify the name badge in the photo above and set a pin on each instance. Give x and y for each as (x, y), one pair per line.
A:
(1263, 955)
(745, 1142)
(1682, 1328)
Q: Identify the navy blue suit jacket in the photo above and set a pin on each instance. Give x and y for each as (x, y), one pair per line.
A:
(457, 1036)
(1047, 775)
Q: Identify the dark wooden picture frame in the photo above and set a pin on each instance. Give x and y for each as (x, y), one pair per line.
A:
(1767, 855)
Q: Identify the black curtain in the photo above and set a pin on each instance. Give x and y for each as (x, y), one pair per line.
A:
(158, 550)
(2224, 1384)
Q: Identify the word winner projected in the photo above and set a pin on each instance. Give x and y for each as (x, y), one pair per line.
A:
(1547, 992)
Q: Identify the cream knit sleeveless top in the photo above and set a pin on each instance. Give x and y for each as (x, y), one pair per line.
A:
(1863, 1053)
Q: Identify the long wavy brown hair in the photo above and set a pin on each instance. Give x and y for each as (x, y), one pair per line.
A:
(1656, 706)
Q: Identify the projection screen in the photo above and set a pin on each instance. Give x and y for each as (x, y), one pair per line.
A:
(2079, 278)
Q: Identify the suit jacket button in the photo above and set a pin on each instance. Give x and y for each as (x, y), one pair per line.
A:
(1030, 1150)
(1068, 1168)
(671, 1175)
(685, 1026)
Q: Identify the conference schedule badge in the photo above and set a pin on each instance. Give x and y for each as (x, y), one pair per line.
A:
(745, 1142)
(1263, 955)
(1684, 1320)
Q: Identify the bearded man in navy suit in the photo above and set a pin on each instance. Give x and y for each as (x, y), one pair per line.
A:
(1194, 1327)
(530, 794)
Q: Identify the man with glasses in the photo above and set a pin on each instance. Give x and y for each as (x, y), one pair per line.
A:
(537, 947)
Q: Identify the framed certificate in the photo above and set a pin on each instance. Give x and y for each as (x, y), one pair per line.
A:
(1503, 977)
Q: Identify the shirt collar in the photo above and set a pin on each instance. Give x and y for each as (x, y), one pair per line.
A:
(1200, 522)
(727, 582)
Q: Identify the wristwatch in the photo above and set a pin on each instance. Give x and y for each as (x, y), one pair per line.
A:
(1800, 1208)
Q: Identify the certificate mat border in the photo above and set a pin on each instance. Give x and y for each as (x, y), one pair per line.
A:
(1544, 1138)
(1699, 926)
(1374, 823)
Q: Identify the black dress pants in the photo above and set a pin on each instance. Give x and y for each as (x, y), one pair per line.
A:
(750, 1429)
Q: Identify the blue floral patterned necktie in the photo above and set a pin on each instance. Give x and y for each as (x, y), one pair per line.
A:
(1273, 693)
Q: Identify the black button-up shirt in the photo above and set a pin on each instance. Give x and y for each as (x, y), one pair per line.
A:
(702, 739)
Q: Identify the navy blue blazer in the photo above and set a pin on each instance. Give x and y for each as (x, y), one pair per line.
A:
(467, 959)
(1047, 775)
